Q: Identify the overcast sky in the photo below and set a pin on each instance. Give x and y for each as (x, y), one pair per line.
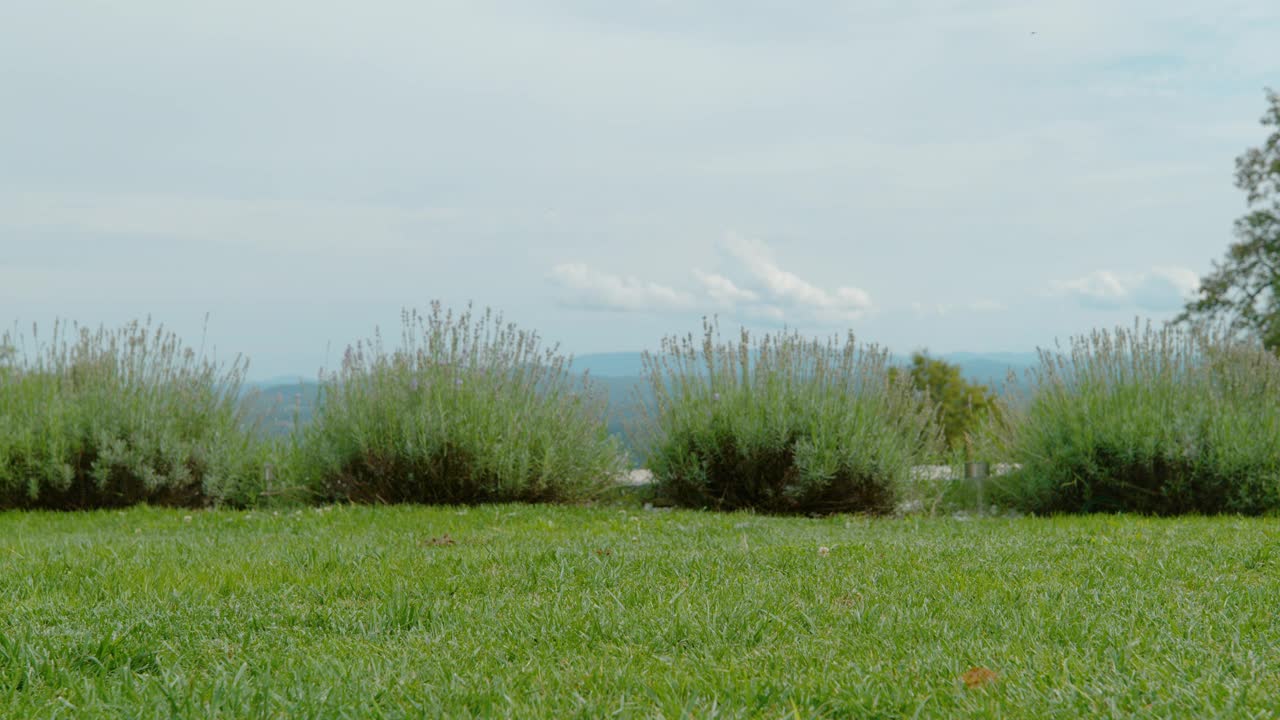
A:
(976, 175)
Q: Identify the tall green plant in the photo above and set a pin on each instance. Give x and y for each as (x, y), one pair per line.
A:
(100, 418)
(960, 406)
(782, 424)
(468, 409)
(1162, 421)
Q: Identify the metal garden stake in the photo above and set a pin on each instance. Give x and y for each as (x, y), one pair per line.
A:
(977, 473)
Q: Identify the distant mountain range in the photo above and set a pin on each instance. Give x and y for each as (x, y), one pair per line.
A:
(277, 403)
(987, 368)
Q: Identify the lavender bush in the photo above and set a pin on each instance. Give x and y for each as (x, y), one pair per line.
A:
(466, 410)
(107, 418)
(1161, 421)
(783, 424)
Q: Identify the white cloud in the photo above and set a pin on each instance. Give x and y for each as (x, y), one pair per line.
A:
(722, 290)
(1101, 288)
(1166, 288)
(761, 289)
(789, 291)
(1160, 289)
(595, 290)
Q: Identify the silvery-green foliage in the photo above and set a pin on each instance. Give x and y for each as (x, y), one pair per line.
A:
(783, 424)
(97, 418)
(466, 409)
(1167, 421)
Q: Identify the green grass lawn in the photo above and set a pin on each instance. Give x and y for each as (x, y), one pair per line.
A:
(559, 612)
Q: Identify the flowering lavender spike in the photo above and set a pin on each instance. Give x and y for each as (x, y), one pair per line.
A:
(413, 384)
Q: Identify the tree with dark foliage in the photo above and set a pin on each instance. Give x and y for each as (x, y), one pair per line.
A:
(1244, 289)
(960, 405)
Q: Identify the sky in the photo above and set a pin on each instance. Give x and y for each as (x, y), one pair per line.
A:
(280, 177)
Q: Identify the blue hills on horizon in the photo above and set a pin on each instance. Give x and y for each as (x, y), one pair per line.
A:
(990, 368)
(277, 403)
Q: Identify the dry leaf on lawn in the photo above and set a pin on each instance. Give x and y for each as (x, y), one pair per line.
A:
(978, 676)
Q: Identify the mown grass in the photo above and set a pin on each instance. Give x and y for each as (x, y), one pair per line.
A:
(522, 611)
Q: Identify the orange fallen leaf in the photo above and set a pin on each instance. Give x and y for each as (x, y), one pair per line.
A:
(978, 676)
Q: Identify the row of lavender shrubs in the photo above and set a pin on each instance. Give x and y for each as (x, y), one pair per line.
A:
(469, 409)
